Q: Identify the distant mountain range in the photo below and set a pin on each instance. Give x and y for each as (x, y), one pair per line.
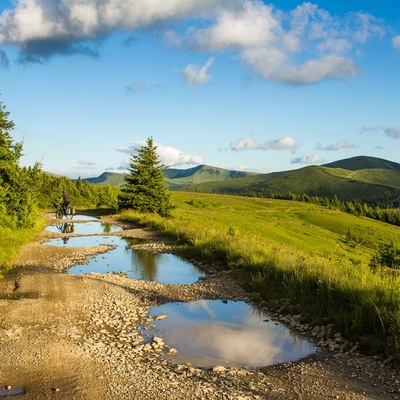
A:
(177, 178)
(365, 179)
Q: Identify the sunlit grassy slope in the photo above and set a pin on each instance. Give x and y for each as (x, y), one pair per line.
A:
(313, 260)
(302, 227)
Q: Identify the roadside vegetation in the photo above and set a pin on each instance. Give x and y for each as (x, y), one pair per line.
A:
(302, 258)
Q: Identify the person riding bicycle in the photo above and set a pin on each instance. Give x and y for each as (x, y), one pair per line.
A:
(65, 200)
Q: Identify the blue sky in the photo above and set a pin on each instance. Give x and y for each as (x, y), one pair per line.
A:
(236, 84)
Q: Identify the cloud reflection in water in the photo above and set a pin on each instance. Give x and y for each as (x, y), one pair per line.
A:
(209, 333)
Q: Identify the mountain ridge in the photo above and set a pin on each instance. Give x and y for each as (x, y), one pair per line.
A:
(366, 179)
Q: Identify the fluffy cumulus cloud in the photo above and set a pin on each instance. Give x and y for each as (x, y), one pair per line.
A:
(340, 145)
(310, 160)
(195, 75)
(169, 156)
(302, 46)
(45, 27)
(247, 143)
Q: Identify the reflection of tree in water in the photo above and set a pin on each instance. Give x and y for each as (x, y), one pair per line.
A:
(107, 227)
(146, 263)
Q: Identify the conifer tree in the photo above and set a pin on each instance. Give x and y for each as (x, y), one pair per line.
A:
(17, 188)
(145, 189)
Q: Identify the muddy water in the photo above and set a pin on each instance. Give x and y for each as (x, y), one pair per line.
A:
(213, 332)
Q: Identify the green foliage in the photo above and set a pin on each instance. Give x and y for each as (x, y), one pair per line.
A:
(144, 189)
(17, 185)
(108, 197)
(387, 256)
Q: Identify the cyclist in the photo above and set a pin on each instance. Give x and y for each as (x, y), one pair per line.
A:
(65, 200)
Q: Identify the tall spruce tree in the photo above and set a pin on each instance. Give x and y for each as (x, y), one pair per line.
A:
(145, 189)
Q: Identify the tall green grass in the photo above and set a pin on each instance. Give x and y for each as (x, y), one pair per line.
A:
(11, 241)
(298, 255)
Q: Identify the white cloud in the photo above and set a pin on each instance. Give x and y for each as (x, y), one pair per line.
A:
(396, 42)
(251, 26)
(195, 75)
(303, 46)
(340, 145)
(169, 156)
(274, 65)
(247, 143)
(310, 160)
(82, 19)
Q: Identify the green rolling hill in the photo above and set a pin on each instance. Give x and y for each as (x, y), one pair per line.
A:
(365, 179)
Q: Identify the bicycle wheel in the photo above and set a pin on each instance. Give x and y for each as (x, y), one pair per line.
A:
(69, 215)
(59, 214)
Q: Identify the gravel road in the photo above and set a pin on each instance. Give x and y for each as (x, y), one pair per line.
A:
(79, 337)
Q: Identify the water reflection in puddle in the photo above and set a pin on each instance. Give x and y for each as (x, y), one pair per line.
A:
(83, 228)
(209, 333)
(85, 241)
(80, 217)
(141, 264)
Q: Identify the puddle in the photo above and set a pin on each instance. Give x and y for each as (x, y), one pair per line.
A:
(84, 241)
(141, 264)
(208, 333)
(80, 217)
(83, 228)
(11, 392)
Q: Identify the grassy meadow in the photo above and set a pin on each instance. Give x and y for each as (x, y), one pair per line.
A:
(306, 258)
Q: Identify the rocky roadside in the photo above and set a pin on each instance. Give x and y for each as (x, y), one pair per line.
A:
(91, 328)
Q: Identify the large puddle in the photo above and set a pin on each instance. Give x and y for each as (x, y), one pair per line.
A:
(141, 264)
(136, 263)
(215, 332)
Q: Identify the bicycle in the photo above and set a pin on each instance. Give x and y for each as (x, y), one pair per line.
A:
(68, 213)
